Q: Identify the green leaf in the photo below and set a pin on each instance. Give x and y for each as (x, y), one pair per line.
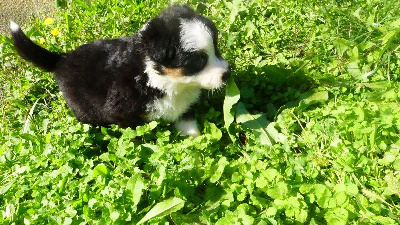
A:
(312, 98)
(324, 196)
(101, 170)
(304, 189)
(261, 182)
(396, 165)
(29, 118)
(136, 186)
(163, 208)
(271, 211)
(342, 45)
(337, 216)
(141, 130)
(114, 216)
(212, 132)
(354, 70)
(234, 9)
(301, 216)
(257, 123)
(217, 173)
(275, 134)
(62, 184)
(280, 191)
(232, 96)
(389, 36)
(351, 189)
(82, 4)
(395, 24)
(340, 198)
(270, 174)
(357, 13)
(4, 188)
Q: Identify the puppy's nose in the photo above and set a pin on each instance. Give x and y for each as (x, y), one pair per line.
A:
(226, 75)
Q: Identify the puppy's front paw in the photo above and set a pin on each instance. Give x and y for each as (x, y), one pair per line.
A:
(187, 128)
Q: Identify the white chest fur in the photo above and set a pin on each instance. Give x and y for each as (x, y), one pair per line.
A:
(172, 106)
(180, 94)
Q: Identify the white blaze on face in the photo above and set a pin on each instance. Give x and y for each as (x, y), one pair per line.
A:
(196, 36)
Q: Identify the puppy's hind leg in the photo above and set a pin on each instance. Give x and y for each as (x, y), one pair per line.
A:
(187, 127)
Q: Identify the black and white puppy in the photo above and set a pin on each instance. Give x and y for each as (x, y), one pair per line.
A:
(155, 74)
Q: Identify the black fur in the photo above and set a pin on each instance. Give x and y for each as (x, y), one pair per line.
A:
(30, 51)
(104, 82)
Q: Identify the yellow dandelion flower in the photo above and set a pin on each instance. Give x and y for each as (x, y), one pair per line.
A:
(48, 21)
(55, 32)
(41, 41)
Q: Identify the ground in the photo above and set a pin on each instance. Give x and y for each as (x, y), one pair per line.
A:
(21, 11)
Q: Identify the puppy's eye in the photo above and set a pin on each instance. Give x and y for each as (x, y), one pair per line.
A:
(196, 62)
(202, 59)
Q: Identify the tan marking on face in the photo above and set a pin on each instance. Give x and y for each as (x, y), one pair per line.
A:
(173, 72)
(144, 116)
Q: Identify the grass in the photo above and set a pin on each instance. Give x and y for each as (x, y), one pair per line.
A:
(308, 132)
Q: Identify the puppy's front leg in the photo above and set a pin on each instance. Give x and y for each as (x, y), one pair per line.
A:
(187, 127)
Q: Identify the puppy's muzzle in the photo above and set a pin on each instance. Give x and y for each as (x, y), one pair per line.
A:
(226, 75)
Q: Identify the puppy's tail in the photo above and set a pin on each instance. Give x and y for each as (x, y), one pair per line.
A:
(32, 52)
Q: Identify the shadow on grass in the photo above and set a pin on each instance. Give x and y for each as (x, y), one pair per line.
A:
(271, 88)
(264, 93)
(264, 90)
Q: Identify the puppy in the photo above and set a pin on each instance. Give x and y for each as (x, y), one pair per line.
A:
(157, 73)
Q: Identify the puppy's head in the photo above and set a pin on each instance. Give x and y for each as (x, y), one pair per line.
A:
(181, 48)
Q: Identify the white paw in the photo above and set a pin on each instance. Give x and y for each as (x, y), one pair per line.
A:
(187, 128)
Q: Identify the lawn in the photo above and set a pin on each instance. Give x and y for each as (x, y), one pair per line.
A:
(307, 131)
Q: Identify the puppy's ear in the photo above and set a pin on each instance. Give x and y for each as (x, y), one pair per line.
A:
(158, 41)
